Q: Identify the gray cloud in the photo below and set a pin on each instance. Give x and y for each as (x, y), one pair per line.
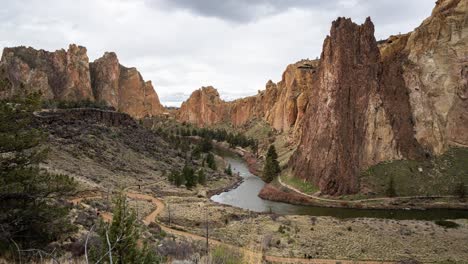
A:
(243, 10)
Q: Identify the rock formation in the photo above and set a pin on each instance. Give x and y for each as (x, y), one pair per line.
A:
(62, 75)
(282, 104)
(123, 88)
(363, 103)
(68, 76)
(407, 101)
(203, 108)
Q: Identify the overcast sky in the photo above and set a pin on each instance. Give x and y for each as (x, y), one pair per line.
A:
(181, 45)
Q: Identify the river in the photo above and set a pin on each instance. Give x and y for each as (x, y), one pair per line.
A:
(246, 196)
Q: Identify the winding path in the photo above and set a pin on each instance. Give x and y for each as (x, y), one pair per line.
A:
(357, 201)
(255, 256)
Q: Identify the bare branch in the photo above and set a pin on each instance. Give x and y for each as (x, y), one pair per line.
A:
(110, 247)
(86, 244)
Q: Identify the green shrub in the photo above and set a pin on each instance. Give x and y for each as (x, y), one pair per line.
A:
(447, 224)
(225, 255)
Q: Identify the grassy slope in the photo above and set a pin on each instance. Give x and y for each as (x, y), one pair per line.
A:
(438, 176)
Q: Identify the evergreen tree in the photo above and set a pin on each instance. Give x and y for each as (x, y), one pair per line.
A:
(391, 192)
(228, 170)
(271, 167)
(206, 145)
(31, 214)
(190, 177)
(210, 161)
(178, 178)
(119, 239)
(201, 177)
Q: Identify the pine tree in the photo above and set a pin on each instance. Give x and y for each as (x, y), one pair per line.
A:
(190, 177)
(228, 170)
(201, 177)
(210, 161)
(119, 239)
(271, 167)
(31, 214)
(391, 192)
(178, 178)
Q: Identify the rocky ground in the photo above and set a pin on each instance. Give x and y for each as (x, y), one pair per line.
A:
(322, 237)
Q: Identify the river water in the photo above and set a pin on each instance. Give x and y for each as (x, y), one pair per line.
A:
(246, 196)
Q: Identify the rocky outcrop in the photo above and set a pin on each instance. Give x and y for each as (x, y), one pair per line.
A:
(407, 101)
(435, 75)
(281, 104)
(203, 108)
(68, 76)
(123, 88)
(91, 115)
(62, 75)
(363, 103)
(345, 119)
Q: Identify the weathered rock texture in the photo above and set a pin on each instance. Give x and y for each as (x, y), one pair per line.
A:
(282, 104)
(407, 101)
(68, 75)
(363, 103)
(203, 108)
(123, 88)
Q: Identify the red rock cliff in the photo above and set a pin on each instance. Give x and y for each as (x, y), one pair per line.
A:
(407, 101)
(62, 75)
(123, 88)
(282, 104)
(364, 103)
(68, 75)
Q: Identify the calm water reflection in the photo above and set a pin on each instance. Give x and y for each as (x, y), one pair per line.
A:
(246, 196)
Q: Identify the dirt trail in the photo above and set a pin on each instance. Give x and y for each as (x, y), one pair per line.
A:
(356, 201)
(253, 255)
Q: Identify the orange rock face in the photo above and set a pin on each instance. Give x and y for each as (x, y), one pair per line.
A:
(282, 104)
(62, 75)
(68, 75)
(203, 108)
(407, 101)
(123, 88)
(363, 103)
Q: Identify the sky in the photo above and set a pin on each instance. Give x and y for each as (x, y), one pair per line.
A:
(181, 45)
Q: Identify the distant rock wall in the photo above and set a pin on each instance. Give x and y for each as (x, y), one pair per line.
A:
(68, 75)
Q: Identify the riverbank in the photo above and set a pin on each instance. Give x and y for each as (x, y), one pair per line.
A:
(280, 192)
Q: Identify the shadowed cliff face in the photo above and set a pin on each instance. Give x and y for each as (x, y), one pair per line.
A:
(335, 131)
(68, 75)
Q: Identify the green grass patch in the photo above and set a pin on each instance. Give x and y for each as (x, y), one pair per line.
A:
(226, 255)
(440, 175)
(301, 185)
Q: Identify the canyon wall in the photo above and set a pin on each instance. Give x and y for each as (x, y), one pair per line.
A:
(281, 104)
(407, 100)
(68, 76)
(363, 102)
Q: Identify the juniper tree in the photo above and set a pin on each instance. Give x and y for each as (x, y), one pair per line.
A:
(210, 161)
(31, 212)
(201, 177)
(190, 177)
(271, 167)
(228, 170)
(120, 239)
